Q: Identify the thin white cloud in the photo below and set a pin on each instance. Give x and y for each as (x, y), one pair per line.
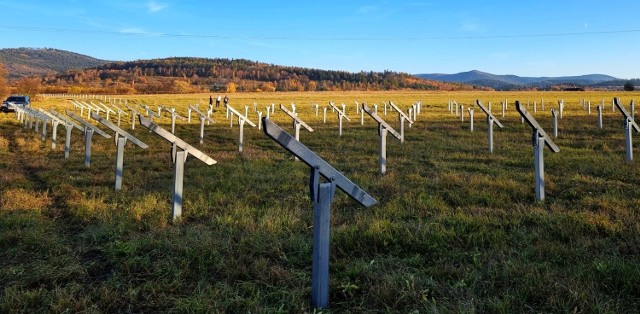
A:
(154, 7)
(137, 31)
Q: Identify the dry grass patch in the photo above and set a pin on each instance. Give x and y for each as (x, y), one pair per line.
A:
(21, 199)
(28, 144)
(4, 144)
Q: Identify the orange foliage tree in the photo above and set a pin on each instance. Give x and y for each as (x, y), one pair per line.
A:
(28, 86)
(4, 88)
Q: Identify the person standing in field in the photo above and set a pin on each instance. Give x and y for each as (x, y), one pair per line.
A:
(218, 101)
(226, 100)
(210, 101)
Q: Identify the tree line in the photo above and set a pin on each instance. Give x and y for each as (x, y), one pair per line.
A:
(184, 75)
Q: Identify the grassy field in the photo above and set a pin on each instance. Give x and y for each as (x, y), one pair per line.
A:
(456, 228)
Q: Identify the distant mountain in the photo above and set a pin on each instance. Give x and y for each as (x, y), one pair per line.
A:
(511, 82)
(21, 62)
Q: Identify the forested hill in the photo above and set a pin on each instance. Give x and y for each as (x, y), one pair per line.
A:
(21, 62)
(186, 74)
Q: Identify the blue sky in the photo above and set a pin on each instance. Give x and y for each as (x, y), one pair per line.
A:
(525, 38)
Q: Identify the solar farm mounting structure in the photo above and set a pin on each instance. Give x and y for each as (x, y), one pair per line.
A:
(455, 227)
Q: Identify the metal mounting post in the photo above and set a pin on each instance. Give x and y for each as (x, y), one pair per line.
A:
(554, 123)
(241, 135)
(54, 136)
(321, 195)
(67, 141)
(599, 116)
(402, 128)
(179, 152)
(88, 133)
(628, 137)
(324, 115)
(538, 149)
(178, 179)
(383, 148)
(201, 129)
(44, 129)
(121, 141)
(296, 127)
(490, 127)
(539, 139)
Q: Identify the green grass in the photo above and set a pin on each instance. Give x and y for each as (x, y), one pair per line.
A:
(456, 228)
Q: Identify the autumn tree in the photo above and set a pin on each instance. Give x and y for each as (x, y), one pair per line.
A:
(312, 86)
(231, 87)
(28, 86)
(4, 88)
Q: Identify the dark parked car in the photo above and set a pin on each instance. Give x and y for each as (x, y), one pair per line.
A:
(18, 100)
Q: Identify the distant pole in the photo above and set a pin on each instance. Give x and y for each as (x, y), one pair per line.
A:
(599, 117)
(324, 115)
